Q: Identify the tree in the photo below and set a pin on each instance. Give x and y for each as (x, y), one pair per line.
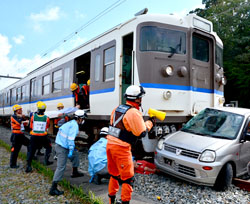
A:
(231, 20)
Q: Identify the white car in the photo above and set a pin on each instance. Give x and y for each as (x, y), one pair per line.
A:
(211, 149)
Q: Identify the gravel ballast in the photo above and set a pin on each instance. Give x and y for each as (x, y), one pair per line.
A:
(18, 187)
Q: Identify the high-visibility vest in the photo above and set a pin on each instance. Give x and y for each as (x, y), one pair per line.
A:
(39, 125)
(16, 127)
(117, 128)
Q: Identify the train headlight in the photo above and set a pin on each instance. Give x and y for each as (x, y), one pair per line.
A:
(217, 77)
(167, 71)
(223, 80)
(167, 95)
(221, 100)
(220, 79)
(182, 71)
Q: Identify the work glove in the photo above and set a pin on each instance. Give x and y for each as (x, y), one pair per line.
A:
(153, 120)
(70, 155)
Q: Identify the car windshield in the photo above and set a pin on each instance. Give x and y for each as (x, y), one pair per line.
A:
(215, 123)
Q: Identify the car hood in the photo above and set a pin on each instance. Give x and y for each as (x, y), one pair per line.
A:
(195, 142)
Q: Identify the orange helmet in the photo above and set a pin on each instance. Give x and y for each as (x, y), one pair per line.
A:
(73, 86)
(16, 107)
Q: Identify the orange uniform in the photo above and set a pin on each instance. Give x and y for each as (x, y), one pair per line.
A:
(128, 119)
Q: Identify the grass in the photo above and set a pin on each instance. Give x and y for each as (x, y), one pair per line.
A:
(73, 190)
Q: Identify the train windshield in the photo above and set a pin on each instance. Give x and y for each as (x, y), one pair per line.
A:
(215, 123)
(162, 40)
(219, 56)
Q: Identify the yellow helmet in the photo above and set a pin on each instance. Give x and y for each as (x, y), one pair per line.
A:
(37, 103)
(88, 82)
(59, 105)
(73, 86)
(16, 107)
(41, 106)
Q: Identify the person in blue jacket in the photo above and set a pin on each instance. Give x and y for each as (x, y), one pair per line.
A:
(97, 158)
(65, 148)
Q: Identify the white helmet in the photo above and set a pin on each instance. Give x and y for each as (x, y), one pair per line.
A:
(133, 92)
(104, 131)
(80, 114)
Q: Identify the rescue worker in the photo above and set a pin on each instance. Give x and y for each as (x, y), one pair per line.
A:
(17, 136)
(65, 148)
(81, 95)
(58, 122)
(126, 127)
(97, 158)
(39, 124)
(38, 152)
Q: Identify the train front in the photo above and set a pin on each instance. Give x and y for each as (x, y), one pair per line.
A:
(179, 63)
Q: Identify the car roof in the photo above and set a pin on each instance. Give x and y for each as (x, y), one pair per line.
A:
(241, 111)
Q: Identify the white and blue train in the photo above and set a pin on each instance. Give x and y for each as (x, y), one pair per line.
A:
(178, 60)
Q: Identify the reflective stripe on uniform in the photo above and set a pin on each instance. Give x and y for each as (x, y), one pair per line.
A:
(65, 136)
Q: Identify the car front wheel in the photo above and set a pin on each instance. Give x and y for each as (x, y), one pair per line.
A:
(224, 178)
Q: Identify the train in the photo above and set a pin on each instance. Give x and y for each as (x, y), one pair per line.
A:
(178, 61)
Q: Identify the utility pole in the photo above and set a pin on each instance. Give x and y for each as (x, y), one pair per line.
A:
(10, 77)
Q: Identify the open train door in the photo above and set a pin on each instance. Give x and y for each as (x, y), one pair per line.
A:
(127, 63)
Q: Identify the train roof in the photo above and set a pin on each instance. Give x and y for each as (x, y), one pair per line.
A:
(187, 21)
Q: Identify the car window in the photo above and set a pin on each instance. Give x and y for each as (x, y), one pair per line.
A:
(215, 123)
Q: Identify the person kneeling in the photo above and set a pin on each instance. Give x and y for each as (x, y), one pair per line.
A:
(98, 159)
(65, 148)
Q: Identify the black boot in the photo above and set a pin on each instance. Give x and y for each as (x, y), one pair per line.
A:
(28, 169)
(76, 173)
(54, 191)
(46, 161)
(112, 199)
(13, 159)
(97, 179)
(14, 166)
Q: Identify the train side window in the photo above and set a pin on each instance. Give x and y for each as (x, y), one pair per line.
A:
(219, 56)
(109, 64)
(18, 94)
(23, 91)
(200, 49)
(6, 98)
(97, 67)
(13, 96)
(46, 82)
(33, 87)
(57, 81)
(66, 78)
(39, 87)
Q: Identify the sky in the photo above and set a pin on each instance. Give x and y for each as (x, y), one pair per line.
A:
(34, 32)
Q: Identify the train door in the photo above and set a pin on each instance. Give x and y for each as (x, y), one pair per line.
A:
(202, 71)
(127, 63)
(82, 69)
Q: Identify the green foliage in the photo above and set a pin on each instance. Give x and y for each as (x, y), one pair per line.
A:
(47, 172)
(231, 20)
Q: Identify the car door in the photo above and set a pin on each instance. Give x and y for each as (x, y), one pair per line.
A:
(244, 149)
